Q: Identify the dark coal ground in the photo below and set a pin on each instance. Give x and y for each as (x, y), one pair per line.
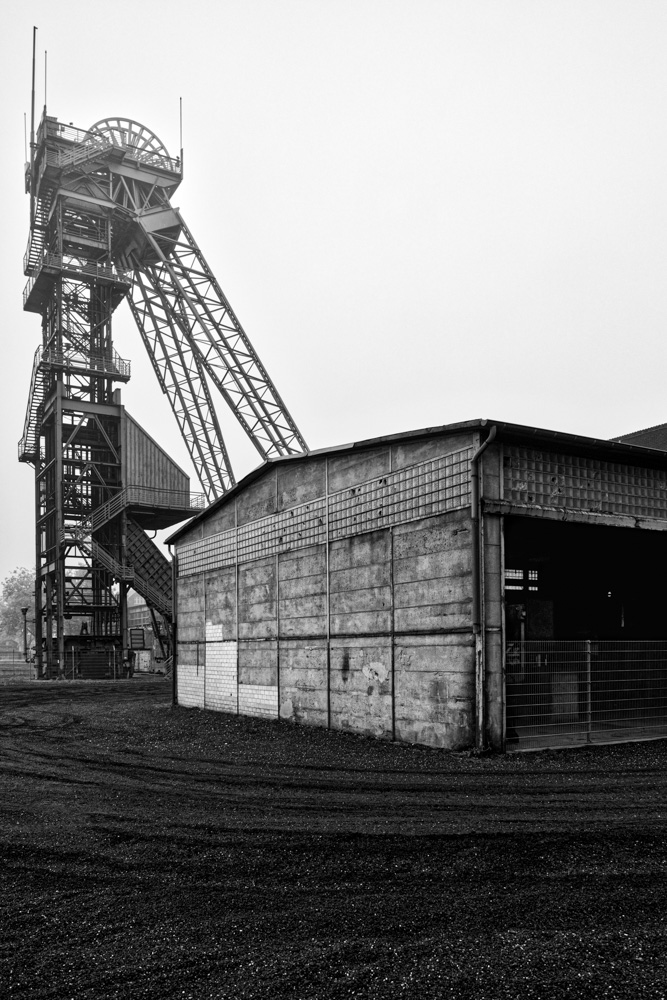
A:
(158, 852)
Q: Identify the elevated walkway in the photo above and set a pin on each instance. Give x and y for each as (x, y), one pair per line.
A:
(151, 508)
(47, 268)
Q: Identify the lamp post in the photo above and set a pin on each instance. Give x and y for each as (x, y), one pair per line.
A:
(24, 612)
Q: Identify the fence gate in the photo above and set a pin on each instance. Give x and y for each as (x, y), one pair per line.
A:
(569, 693)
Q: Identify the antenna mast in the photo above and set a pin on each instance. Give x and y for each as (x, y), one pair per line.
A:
(32, 131)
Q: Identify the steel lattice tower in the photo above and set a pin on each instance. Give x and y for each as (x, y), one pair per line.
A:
(102, 228)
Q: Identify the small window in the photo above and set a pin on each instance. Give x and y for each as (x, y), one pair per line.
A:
(522, 579)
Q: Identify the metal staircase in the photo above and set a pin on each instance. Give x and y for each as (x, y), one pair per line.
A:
(149, 565)
(29, 442)
(82, 153)
(124, 573)
(73, 360)
(147, 571)
(35, 251)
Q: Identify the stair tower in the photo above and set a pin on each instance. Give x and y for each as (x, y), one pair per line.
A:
(102, 229)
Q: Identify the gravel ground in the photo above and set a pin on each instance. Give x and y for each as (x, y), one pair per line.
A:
(155, 852)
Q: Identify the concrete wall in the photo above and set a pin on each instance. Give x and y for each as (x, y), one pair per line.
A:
(393, 657)
(369, 633)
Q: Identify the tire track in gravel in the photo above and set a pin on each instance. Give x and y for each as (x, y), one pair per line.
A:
(158, 853)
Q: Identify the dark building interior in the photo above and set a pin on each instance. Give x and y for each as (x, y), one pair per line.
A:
(575, 581)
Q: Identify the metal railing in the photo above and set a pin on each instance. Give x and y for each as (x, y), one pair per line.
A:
(49, 127)
(128, 574)
(28, 443)
(93, 663)
(99, 142)
(153, 595)
(120, 571)
(151, 497)
(131, 496)
(87, 361)
(60, 262)
(574, 692)
(142, 496)
(86, 149)
(104, 558)
(34, 251)
(73, 359)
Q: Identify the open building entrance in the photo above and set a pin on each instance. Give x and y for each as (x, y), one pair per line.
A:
(586, 635)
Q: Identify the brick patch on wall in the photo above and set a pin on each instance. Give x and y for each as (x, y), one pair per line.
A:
(190, 686)
(221, 671)
(258, 699)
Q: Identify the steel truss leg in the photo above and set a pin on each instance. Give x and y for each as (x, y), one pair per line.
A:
(182, 379)
(206, 318)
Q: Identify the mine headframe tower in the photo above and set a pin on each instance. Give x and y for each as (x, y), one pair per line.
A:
(102, 228)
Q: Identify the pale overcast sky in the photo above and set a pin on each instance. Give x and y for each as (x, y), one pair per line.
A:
(422, 211)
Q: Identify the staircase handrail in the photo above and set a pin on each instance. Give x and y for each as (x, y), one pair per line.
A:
(34, 250)
(119, 570)
(152, 595)
(128, 574)
(30, 423)
(91, 147)
(115, 366)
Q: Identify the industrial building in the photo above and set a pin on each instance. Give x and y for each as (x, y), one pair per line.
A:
(479, 583)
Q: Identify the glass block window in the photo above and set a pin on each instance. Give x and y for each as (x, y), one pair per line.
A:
(550, 479)
(422, 490)
(290, 529)
(522, 579)
(207, 553)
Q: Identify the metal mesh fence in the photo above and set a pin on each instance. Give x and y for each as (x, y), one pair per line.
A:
(13, 667)
(568, 693)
